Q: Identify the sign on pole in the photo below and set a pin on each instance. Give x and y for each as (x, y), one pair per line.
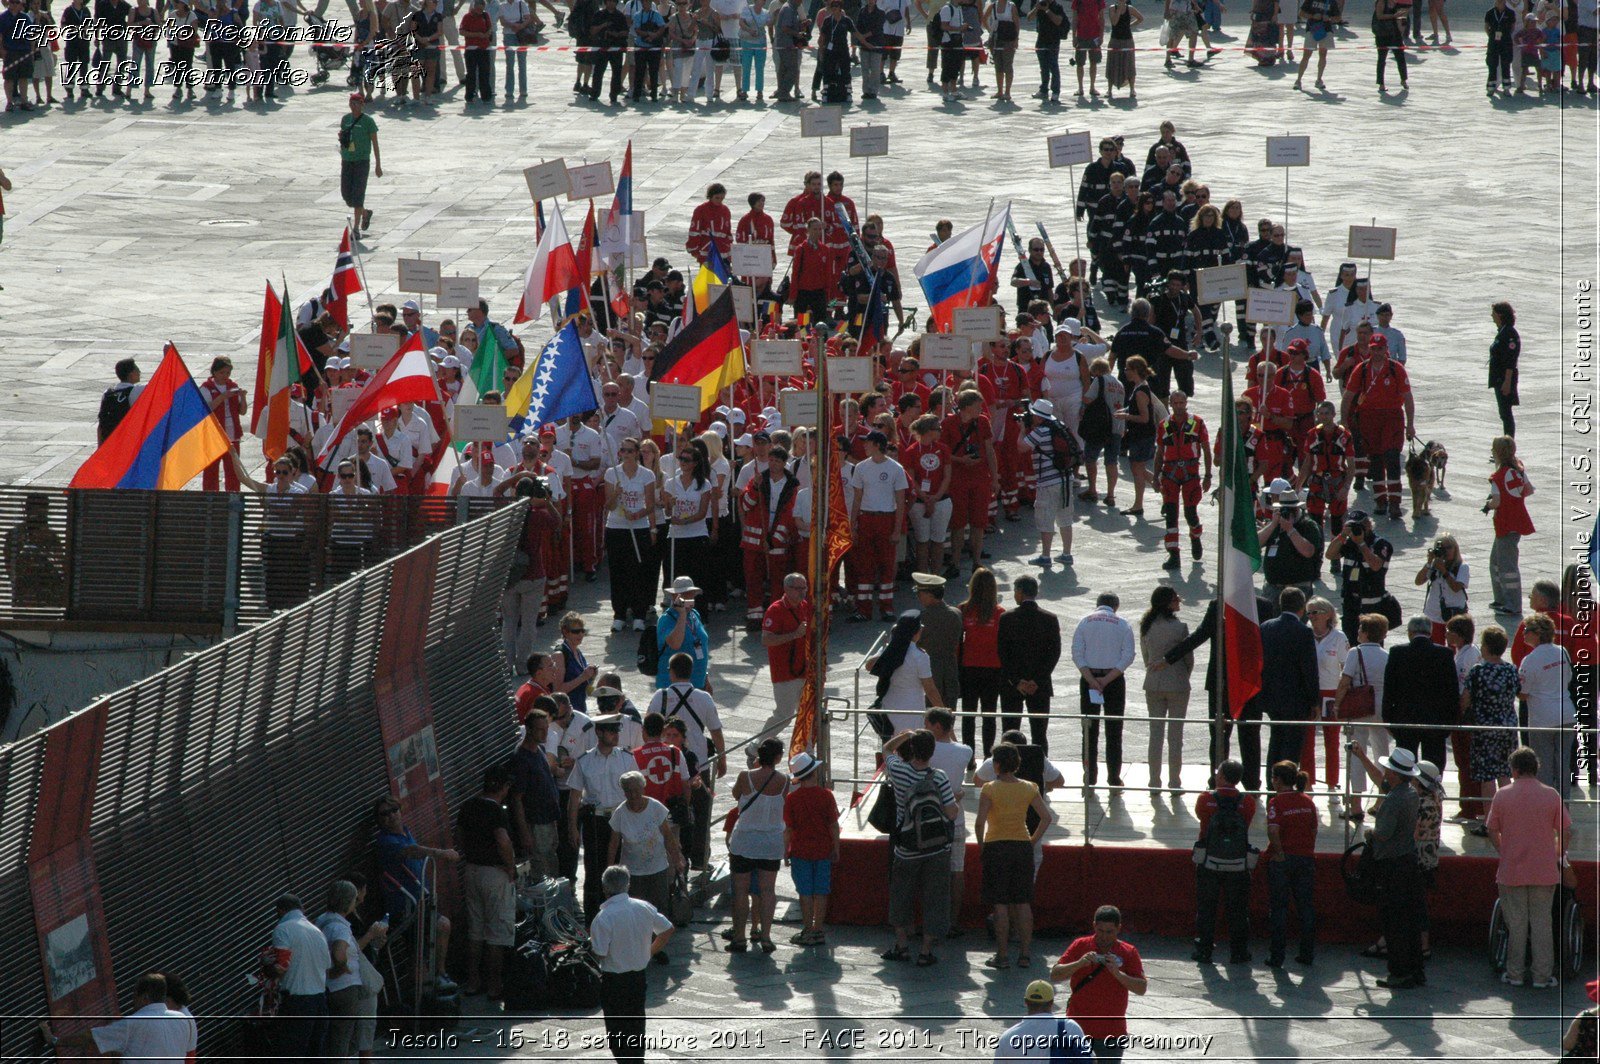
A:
(1289, 151)
(547, 180)
(849, 374)
(458, 291)
(1069, 149)
(978, 323)
(776, 358)
(590, 181)
(822, 121)
(371, 351)
(1220, 284)
(1371, 242)
(342, 399)
(480, 422)
(868, 141)
(419, 275)
(674, 402)
(744, 303)
(946, 352)
(751, 260)
(1270, 306)
(800, 409)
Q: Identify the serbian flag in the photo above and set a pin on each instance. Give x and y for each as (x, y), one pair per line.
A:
(707, 352)
(961, 272)
(164, 441)
(281, 362)
(345, 283)
(406, 378)
(552, 274)
(621, 242)
(1241, 557)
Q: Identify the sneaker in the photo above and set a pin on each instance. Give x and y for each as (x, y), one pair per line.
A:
(1064, 559)
(616, 625)
(638, 625)
(1547, 984)
(1510, 980)
(1043, 559)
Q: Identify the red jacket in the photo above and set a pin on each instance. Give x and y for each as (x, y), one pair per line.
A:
(711, 222)
(755, 229)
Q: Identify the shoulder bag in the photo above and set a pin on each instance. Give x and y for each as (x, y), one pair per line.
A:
(1361, 699)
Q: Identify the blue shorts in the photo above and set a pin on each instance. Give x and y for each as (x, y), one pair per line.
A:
(811, 877)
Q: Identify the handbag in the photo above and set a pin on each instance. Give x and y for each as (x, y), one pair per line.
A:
(720, 50)
(680, 902)
(1359, 867)
(1360, 700)
(881, 817)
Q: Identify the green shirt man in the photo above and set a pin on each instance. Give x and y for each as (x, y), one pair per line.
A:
(358, 145)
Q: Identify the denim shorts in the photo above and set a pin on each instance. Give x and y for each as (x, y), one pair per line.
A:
(811, 877)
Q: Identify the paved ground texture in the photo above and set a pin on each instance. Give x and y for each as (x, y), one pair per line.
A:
(131, 226)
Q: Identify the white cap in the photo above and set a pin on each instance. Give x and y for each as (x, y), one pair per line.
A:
(411, 304)
(720, 429)
(721, 411)
(1278, 486)
(1073, 326)
(745, 440)
(438, 354)
(769, 412)
(450, 362)
(737, 416)
(345, 345)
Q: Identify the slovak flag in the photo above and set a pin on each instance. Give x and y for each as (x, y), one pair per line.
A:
(961, 271)
(554, 271)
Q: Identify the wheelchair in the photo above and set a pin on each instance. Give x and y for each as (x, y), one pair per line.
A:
(1569, 930)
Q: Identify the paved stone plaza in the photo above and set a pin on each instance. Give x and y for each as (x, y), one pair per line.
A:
(132, 226)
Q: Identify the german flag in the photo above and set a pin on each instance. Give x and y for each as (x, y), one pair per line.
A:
(706, 353)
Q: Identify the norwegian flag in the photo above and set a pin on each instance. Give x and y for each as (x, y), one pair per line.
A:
(345, 283)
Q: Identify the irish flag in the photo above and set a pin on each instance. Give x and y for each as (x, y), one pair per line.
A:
(1241, 557)
(280, 361)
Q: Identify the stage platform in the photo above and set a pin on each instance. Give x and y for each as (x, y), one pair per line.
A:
(1131, 848)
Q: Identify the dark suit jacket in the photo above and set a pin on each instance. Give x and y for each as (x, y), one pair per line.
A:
(1289, 688)
(1206, 630)
(1030, 646)
(1419, 684)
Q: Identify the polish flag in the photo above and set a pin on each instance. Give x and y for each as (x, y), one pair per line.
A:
(406, 378)
(553, 272)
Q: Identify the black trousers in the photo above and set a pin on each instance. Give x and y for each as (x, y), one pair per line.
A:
(1399, 60)
(75, 64)
(1426, 744)
(1116, 696)
(301, 1027)
(1498, 57)
(595, 831)
(1233, 890)
(1505, 404)
(633, 570)
(622, 1002)
(1014, 703)
(980, 690)
(566, 843)
(1283, 743)
(600, 61)
(480, 74)
(646, 68)
(1249, 733)
(1402, 913)
(697, 840)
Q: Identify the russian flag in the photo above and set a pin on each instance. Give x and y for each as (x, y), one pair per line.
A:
(961, 271)
(164, 441)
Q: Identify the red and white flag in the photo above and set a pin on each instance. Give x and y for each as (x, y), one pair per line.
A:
(553, 272)
(406, 378)
(346, 282)
(281, 362)
(1241, 557)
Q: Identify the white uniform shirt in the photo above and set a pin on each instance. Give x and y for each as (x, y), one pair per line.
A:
(619, 425)
(308, 955)
(1332, 649)
(622, 932)
(153, 1035)
(577, 735)
(381, 471)
(586, 446)
(877, 482)
(1103, 640)
(599, 776)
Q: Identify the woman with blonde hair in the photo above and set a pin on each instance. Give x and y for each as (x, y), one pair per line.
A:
(1166, 687)
(1208, 244)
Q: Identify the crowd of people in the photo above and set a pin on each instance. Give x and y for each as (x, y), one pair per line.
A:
(686, 50)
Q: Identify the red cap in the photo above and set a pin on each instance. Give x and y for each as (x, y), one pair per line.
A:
(355, 96)
(1378, 341)
(547, 433)
(1299, 345)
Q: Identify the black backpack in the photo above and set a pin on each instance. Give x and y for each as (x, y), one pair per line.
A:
(114, 406)
(1227, 837)
(924, 828)
(1095, 424)
(649, 655)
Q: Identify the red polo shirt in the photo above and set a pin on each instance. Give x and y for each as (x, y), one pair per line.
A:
(1099, 1003)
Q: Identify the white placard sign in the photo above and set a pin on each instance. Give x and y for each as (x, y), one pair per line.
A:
(590, 181)
(547, 180)
(419, 275)
(341, 399)
(977, 323)
(867, 141)
(1069, 149)
(458, 291)
(751, 260)
(674, 402)
(1270, 306)
(822, 121)
(1219, 284)
(850, 375)
(372, 350)
(946, 352)
(1371, 242)
(1289, 151)
(744, 303)
(776, 358)
(799, 408)
(480, 421)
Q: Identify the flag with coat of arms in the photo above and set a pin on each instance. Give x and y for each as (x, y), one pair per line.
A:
(557, 385)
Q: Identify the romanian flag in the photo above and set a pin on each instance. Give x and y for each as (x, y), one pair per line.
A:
(707, 352)
(164, 441)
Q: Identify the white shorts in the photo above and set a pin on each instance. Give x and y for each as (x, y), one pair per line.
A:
(935, 529)
(491, 902)
(1053, 507)
(958, 846)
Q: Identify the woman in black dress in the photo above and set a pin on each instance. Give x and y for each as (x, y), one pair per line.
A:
(1119, 61)
(1389, 34)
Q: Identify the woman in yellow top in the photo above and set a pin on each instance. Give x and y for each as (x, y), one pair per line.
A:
(1002, 832)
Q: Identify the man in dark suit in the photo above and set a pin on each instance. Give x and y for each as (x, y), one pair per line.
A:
(1030, 647)
(1419, 687)
(1221, 723)
(1289, 687)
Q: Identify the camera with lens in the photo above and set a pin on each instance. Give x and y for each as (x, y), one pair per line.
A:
(1438, 550)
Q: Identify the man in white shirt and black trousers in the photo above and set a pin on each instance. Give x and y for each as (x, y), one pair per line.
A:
(597, 778)
(625, 934)
(1102, 650)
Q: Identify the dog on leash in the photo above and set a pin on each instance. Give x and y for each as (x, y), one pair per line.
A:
(1425, 471)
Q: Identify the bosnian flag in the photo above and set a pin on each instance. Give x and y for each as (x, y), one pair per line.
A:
(345, 283)
(1241, 557)
(961, 271)
(553, 272)
(406, 378)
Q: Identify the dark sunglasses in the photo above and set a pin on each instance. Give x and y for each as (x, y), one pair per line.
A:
(347, 476)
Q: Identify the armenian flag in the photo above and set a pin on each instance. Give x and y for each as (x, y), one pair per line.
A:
(707, 352)
(164, 441)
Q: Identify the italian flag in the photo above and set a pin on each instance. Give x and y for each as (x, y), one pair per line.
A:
(280, 362)
(1241, 557)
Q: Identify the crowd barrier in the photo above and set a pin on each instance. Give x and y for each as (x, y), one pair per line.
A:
(154, 829)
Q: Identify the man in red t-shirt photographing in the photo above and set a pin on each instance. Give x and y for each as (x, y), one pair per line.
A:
(1102, 969)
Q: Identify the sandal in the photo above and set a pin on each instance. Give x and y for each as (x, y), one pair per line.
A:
(766, 945)
(925, 960)
(896, 953)
(737, 945)
(989, 962)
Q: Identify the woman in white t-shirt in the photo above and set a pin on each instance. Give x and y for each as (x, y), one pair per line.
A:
(1445, 575)
(642, 840)
(905, 675)
(1546, 674)
(1332, 650)
(724, 537)
(690, 492)
(1066, 371)
(1364, 666)
(630, 515)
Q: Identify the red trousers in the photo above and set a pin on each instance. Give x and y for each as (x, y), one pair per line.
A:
(1011, 466)
(873, 554)
(764, 571)
(588, 513)
(230, 476)
(1331, 751)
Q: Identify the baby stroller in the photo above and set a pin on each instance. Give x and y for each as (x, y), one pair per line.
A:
(1567, 916)
(329, 57)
